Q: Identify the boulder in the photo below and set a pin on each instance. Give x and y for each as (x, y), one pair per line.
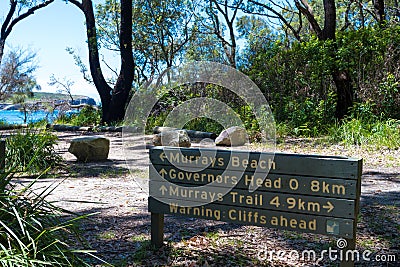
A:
(191, 133)
(233, 136)
(90, 148)
(177, 138)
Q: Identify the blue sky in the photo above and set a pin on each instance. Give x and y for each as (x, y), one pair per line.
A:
(48, 32)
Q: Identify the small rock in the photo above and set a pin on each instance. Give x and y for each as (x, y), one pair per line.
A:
(177, 138)
(90, 148)
(233, 136)
(160, 129)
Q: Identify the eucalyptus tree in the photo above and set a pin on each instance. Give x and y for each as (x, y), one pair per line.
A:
(259, 37)
(219, 18)
(18, 11)
(113, 99)
(161, 33)
(17, 73)
(291, 16)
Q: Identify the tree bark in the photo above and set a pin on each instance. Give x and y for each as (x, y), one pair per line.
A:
(329, 31)
(9, 22)
(99, 81)
(341, 78)
(2, 44)
(113, 101)
(123, 86)
(379, 8)
(344, 92)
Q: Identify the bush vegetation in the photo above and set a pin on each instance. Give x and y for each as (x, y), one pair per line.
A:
(31, 151)
(33, 231)
(298, 85)
(87, 116)
(296, 81)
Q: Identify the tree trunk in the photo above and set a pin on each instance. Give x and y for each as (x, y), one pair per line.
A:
(2, 43)
(379, 8)
(102, 87)
(123, 86)
(344, 91)
(113, 100)
(329, 31)
(341, 78)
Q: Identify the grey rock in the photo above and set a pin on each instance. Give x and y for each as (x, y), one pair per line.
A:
(161, 129)
(233, 136)
(177, 138)
(90, 148)
(191, 133)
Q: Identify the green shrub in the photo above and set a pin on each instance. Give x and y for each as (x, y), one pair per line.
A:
(32, 232)
(204, 124)
(87, 116)
(39, 124)
(297, 80)
(31, 151)
(378, 134)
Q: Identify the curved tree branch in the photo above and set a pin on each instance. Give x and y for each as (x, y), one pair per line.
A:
(29, 12)
(278, 15)
(305, 9)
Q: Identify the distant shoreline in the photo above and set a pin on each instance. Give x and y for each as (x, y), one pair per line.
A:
(16, 117)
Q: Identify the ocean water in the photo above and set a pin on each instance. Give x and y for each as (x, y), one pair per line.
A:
(17, 117)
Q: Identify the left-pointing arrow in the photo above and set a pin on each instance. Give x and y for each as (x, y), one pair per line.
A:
(328, 206)
(163, 189)
(162, 156)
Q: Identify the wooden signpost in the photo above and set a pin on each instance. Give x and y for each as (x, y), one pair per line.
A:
(306, 193)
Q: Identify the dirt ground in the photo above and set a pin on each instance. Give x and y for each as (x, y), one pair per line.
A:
(119, 229)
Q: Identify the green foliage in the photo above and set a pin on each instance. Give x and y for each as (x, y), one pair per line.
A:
(298, 85)
(363, 128)
(204, 124)
(372, 56)
(161, 32)
(31, 151)
(39, 124)
(170, 100)
(32, 232)
(378, 134)
(87, 116)
(17, 74)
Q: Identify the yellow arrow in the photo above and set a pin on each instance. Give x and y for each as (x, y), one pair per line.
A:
(328, 206)
(163, 189)
(162, 156)
(163, 172)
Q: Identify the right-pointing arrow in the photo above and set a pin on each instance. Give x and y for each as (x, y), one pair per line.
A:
(328, 206)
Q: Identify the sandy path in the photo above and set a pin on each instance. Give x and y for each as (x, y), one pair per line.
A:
(109, 189)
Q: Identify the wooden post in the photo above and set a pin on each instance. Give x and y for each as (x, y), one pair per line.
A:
(347, 260)
(157, 229)
(2, 155)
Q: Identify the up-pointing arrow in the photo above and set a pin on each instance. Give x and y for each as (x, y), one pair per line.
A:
(162, 156)
(328, 206)
(163, 172)
(163, 189)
